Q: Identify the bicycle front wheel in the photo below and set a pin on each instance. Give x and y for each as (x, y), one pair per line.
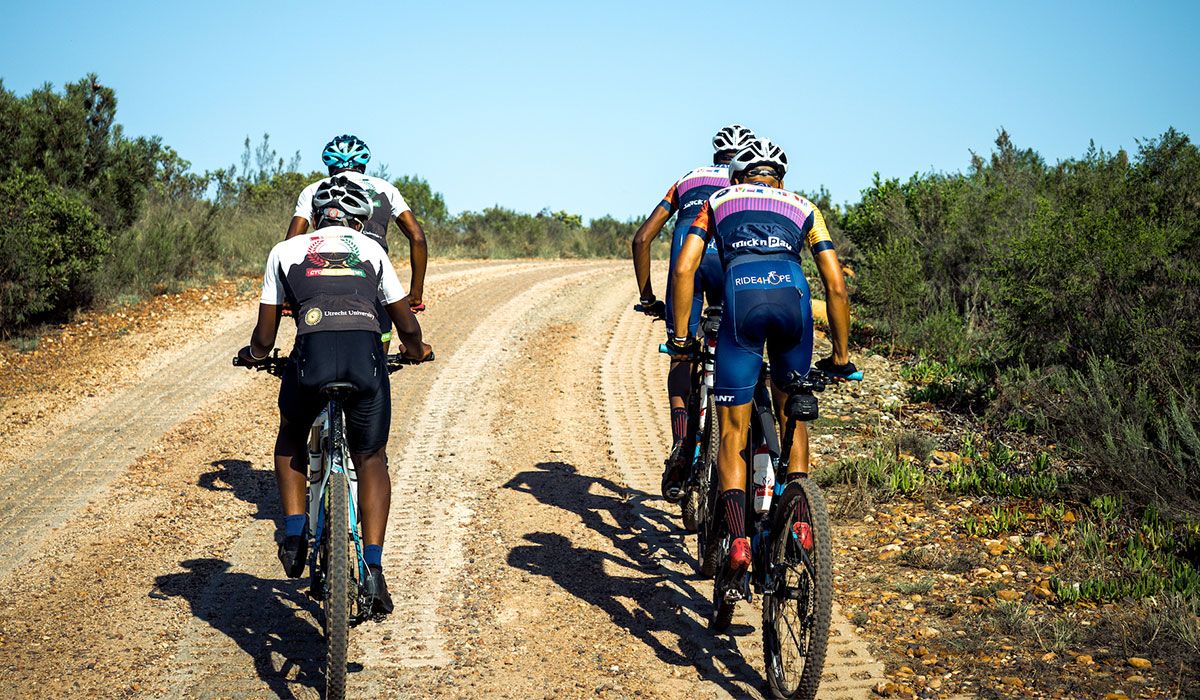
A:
(797, 613)
(336, 605)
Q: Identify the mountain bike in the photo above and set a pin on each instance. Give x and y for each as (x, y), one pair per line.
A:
(702, 441)
(791, 544)
(338, 574)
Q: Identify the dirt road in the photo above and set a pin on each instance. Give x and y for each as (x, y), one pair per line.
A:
(527, 552)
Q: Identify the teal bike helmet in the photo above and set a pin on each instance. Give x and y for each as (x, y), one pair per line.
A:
(346, 151)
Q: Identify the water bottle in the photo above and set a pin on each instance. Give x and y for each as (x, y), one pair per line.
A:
(316, 466)
(709, 363)
(764, 479)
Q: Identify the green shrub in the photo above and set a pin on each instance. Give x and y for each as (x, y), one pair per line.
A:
(49, 240)
(1068, 295)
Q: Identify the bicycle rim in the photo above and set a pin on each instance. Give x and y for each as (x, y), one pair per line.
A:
(706, 538)
(796, 615)
(337, 599)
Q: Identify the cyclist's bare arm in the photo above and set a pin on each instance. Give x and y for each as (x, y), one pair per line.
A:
(837, 303)
(683, 280)
(645, 235)
(298, 227)
(262, 340)
(408, 329)
(418, 254)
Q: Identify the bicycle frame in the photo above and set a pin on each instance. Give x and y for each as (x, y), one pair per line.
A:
(703, 373)
(328, 454)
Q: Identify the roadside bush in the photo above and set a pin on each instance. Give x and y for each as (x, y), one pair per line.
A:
(1073, 290)
(49, 239)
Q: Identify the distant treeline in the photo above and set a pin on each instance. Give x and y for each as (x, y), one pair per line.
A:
(1062, 299)
(91, 215)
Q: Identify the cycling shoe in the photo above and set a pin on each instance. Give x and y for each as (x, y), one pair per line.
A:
(673, 477)
(739, 558)
(375, 590)
(293, 554)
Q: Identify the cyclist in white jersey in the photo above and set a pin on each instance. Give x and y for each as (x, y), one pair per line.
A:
(333, 278)
(347, 156)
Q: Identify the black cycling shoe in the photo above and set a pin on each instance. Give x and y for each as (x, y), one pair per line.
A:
(673, 476)
(293, 554)
(375, 590)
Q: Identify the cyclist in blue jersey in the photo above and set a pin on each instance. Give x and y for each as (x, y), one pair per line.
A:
(685, 198)
(759, 229)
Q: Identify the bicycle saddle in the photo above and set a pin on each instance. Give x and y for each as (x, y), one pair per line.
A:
(338, 390)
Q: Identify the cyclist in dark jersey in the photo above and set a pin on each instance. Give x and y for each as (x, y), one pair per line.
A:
(685, 198)
(759, 229)
(333, 277)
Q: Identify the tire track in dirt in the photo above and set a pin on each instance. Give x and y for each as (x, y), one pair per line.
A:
(41, 490)
(633, 376)
(460, 399)
(212, 661)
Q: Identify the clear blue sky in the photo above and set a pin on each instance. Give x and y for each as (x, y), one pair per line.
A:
(596, 108)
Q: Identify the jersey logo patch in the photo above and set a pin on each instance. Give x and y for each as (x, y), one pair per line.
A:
(333, 256)
(313, 316)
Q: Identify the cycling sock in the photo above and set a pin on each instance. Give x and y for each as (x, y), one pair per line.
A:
(373, 554)
(735, 512)
(678, 424)
(793, 476)
(293, 525)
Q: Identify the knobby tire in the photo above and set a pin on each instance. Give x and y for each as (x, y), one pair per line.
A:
(707, 534)
(817, 602)
(337, 599)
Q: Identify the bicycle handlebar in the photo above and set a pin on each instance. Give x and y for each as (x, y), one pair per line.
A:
(276, 365)
(666, 350)
(815, 376)
(656, 310)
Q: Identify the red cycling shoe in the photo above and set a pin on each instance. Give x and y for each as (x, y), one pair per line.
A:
(739, 556)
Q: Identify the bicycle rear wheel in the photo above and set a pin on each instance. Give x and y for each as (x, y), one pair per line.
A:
(707, 535)
(797, 613)
(336, 605)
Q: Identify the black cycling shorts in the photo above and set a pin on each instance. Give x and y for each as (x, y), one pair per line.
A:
(338, 356)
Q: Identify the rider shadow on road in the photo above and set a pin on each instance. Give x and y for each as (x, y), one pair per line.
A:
(259, 615)
(651, 569)
(238, 477)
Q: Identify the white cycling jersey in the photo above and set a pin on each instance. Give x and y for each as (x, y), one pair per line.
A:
(386, 199)
(332, 277)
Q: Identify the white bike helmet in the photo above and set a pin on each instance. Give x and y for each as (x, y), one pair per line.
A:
(732, 138)
(758, 152)
(340, 200)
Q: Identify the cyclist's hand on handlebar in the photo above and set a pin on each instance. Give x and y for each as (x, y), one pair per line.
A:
(416, 308)
(683, 346)
(423, 354)
(652, 307)
(828, 365)
(247, 357)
